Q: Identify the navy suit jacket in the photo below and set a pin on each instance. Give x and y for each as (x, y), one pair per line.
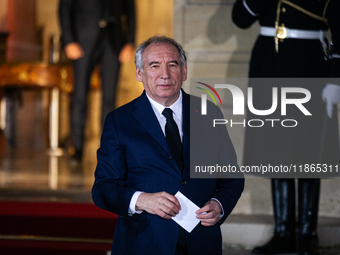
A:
(134, 156)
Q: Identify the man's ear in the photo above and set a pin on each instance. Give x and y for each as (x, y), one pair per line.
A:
(185, 72)
(139, 74)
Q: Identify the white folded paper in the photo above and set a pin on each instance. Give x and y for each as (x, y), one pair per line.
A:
(186, 217)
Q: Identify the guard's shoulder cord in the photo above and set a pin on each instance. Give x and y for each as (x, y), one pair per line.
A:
(323, 18)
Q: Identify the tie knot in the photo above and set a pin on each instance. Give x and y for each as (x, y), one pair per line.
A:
(167, 112)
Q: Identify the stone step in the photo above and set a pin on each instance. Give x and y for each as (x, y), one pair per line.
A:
(248, 231)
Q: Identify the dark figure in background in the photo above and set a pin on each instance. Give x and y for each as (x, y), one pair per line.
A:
(302, 52)
(139, 169)
(93, 32)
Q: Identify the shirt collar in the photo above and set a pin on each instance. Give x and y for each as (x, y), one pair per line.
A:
(175, 107)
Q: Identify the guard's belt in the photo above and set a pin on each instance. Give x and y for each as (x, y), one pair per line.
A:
(295, 33)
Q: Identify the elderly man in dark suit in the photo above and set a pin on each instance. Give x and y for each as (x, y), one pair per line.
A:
(140, 169)
(93, 32)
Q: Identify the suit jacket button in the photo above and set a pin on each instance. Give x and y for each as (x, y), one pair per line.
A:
(184, 182)
(170, 157)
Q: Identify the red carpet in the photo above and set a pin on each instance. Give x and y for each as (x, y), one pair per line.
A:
(55, 228)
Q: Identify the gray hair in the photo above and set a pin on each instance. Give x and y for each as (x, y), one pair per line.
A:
(157, 40)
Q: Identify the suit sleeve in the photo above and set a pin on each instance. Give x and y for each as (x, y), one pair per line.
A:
(229, 185)
(110, 191)
(228, 193)
(66, 9)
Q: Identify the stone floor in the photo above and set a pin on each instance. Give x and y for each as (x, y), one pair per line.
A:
(231, 251)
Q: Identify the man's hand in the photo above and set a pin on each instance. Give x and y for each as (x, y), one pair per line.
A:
(210, 213)
(126, 53)
(331, 95)
(74, 51)
(162, 204)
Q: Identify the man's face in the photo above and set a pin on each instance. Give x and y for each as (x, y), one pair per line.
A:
(163, 74)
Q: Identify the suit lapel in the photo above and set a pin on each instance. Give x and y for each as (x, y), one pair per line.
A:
(186, 132)
(144, 113)
(186, 122)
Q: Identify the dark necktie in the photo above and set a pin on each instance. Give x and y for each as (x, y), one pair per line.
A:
(175, 145)
(173, 138)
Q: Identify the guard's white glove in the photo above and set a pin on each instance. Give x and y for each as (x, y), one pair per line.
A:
(331, 96)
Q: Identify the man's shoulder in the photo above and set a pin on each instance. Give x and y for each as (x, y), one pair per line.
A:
(129, 107)
(123, 115)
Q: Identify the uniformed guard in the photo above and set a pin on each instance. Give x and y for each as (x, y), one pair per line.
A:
(292, 44)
